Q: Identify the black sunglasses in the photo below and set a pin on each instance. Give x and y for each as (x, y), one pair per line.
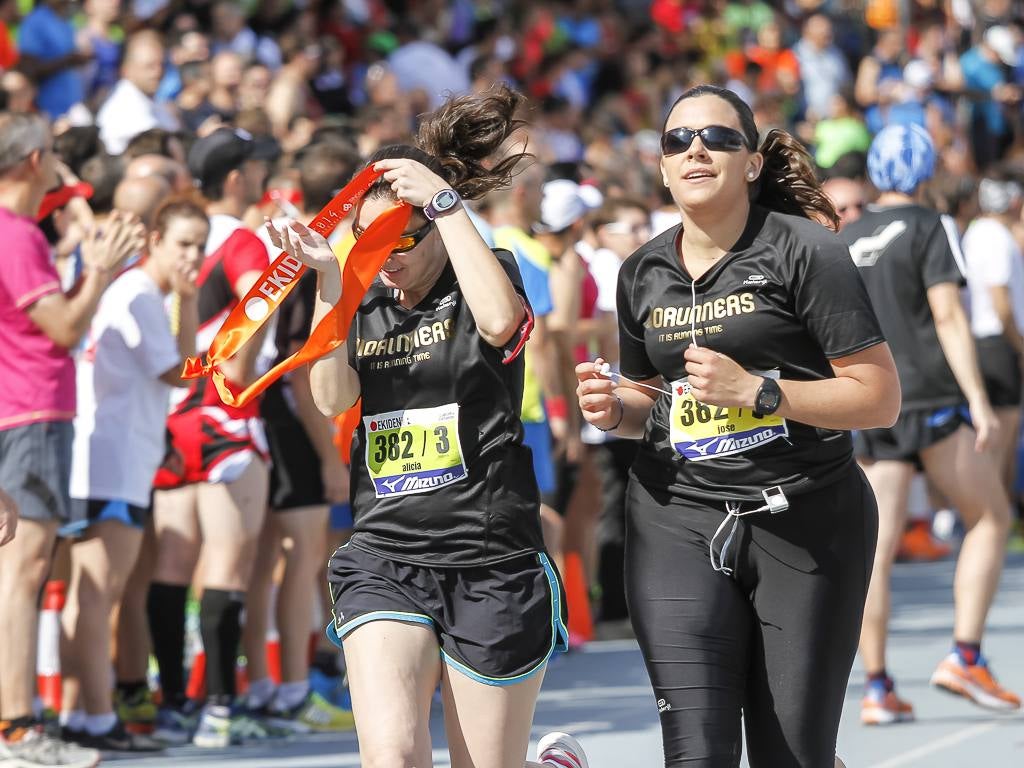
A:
(715, 137)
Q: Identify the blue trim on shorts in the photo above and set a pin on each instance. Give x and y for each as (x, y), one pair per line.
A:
(942, 416)
(537, 437)
(559, 637)
(341, 516)
(116, 510)
(336, 634)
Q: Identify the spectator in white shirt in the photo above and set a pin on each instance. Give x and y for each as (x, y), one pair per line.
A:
(132, 107)
(125, 374)
(995, 281)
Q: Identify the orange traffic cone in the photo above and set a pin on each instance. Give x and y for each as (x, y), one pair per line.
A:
(581, 623)
(48, 681)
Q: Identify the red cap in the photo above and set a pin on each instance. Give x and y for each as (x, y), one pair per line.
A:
(61, 196)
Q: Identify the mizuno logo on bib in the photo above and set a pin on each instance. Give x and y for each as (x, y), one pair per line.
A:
(699, 432)
(414, 451)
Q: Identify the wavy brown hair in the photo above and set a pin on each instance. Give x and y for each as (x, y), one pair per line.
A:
(458, 140)
(788, 182)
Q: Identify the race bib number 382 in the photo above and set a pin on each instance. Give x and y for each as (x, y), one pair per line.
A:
(700, 432)
(414, 451)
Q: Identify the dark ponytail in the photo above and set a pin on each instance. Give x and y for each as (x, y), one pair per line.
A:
(458, 139)
(788, 182)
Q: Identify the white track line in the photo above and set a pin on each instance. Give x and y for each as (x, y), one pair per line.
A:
(924, 750)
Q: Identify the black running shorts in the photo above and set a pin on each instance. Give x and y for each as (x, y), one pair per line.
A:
(497, 624)
(295, 479)
(1000, 369)
(912, 433)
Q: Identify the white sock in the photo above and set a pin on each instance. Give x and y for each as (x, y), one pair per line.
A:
(97, 725)
(291, 694)
(260, 693)
(73, 720)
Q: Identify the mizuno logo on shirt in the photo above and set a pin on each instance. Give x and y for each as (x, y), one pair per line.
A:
(758, 280)
(867, 250)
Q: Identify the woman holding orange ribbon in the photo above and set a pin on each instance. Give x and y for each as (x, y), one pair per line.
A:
(445, 578)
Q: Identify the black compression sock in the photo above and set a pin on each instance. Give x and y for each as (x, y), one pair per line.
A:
(220, 613)
(165, 609)
(132, 689)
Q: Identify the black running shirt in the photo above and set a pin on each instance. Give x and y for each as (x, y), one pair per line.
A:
(901, 252)
(440, 475)
(784, 301)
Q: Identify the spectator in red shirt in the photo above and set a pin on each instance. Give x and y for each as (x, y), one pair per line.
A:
(8, 51)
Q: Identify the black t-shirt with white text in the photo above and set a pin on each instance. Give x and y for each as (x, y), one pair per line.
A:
(440, 475)
(783, 302)
(901, 252)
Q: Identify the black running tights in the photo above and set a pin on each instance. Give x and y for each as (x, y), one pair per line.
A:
(773, 642)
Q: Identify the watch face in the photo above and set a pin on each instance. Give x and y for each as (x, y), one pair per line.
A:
(769, 397)
(445, 199)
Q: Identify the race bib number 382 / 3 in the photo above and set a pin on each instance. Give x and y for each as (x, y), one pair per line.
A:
(414, 451)
(700, 432)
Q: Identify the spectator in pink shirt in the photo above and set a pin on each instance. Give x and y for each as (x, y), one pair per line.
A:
(38, 325)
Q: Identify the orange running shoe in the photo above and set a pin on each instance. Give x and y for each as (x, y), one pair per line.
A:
(975, 683)
(918, 545)
(883, 707)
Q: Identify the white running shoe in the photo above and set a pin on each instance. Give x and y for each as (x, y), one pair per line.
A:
(560, 750)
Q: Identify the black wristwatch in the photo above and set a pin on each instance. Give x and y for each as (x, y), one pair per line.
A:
(769, 397)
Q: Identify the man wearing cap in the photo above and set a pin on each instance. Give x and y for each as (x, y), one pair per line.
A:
(509, 213)
(560, 229)
(131, 107)
(909, 257)
(38, 325)
(985, 79)
(212, 485)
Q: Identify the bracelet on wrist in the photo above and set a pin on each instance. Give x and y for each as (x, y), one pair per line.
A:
(622, 414)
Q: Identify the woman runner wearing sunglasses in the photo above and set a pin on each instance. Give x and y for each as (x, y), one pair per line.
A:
(750, 530)
(445, 578)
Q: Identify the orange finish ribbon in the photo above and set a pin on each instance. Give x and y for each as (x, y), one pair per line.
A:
(363, 262)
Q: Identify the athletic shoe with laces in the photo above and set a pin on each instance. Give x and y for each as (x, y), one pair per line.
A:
(136, 710)
(119, 739)
(974, 682)
(314, 713)
(881, 706)
(917, 545)
(33, 748)
(561, 750)
(219, 727)
(174, 726)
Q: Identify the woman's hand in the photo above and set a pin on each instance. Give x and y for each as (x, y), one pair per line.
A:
(183, 280)
(985, 423)
(596, 395)
(302, 243)
(412, 181)
(716, 379)
(105, 248)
